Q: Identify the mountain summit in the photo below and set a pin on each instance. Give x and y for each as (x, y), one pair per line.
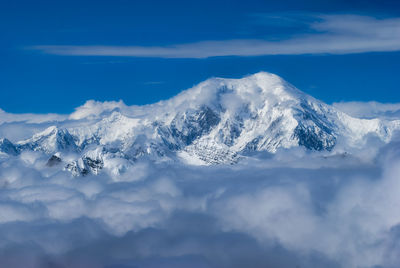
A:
(217, 121)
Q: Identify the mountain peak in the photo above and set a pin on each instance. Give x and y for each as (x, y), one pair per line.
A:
(268, 81)
(50, 140)
(217, 121)
(254, 91)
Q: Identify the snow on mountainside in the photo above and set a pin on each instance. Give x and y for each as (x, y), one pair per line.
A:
(217, 121)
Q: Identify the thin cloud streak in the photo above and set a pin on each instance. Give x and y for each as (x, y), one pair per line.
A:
(330, 34)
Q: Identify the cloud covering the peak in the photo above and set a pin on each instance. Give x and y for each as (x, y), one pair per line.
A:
(93, 109)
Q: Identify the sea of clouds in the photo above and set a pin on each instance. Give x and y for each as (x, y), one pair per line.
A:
(292, 209)
(295, 208)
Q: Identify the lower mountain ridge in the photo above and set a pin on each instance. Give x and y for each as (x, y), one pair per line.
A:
(219, 121)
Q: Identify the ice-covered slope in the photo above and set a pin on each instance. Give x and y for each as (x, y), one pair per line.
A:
(217, 121)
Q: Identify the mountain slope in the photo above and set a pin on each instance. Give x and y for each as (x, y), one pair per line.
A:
(8, 147)
(217, 121)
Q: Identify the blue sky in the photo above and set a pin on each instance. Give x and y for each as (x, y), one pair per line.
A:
(55, 55)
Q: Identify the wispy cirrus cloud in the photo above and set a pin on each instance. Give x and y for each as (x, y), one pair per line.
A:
(326, 34)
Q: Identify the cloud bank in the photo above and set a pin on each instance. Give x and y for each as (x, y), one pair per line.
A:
(305, 211)
(327, 34)
(370, 109)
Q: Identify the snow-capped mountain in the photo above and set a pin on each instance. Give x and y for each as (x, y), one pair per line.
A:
(217, 121)
(51, 140)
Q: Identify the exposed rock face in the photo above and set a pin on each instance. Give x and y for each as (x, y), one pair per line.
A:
(8, 147)
(84, 166)
(53, 161)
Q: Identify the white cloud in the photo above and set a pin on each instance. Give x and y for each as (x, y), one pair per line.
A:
(329, 34)
(308, 211)
(22, 126)
(29, 118)
(370, 109)
(93, 109)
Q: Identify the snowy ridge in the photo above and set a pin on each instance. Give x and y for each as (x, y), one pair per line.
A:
(216, 122)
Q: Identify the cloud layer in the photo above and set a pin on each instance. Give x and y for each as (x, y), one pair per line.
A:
(293, 209)
(370, 109)
(327, 34)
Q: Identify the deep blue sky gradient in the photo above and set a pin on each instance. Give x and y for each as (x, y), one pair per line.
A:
(31, 81)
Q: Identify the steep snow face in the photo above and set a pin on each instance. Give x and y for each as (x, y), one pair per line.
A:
(217, 121)
(51, 140)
